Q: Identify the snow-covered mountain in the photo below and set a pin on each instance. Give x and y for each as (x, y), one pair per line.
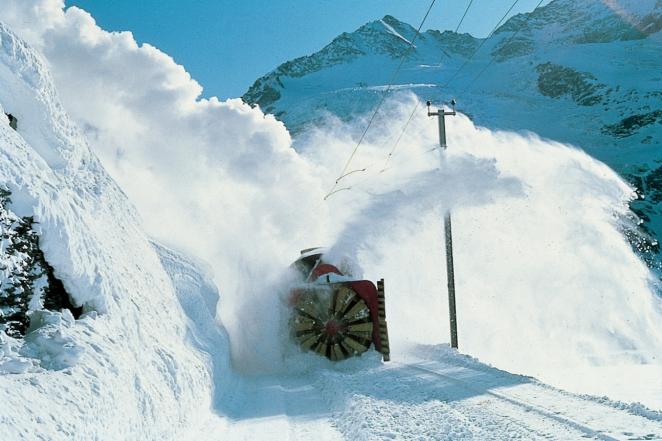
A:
(584, 72)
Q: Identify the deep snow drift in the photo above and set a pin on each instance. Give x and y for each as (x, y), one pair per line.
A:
(131, 368)
(545, 275)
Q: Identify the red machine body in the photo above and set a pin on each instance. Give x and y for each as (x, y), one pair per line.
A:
(334, 315)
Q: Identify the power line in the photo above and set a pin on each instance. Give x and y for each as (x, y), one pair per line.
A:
(397, 141)
(473, 81)
(411, 116)
(408, 160)
(344, 173)
(481, 44)
(463, 15)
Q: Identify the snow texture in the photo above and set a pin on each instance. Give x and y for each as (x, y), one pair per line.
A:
(538, 227)
(124, 368)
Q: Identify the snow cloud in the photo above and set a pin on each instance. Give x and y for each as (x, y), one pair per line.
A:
(173, 153)
(216, 179)
(536, 231)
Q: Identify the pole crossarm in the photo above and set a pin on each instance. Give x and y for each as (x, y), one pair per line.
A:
(442, 112)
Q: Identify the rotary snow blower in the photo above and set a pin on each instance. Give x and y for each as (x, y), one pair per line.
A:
(333, 314)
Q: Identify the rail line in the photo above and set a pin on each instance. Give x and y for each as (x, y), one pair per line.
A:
(528, 407)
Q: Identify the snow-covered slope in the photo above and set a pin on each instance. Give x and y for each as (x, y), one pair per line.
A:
(584, 72)
(543, 53)
(124, 367)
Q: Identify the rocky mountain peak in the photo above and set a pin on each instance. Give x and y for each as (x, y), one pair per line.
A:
(403, 29)
(590, 21)
(554, 27)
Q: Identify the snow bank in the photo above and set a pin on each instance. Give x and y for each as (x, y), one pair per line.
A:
(125, 367)
(198, 297)
(11, 360)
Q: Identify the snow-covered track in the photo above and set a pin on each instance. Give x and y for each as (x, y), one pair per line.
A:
(530, 401)
(436, 394)
(527, 406)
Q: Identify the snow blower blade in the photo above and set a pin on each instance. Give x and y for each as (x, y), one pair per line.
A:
(333, 314)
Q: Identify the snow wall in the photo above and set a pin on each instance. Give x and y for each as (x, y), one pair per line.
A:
(127, 366)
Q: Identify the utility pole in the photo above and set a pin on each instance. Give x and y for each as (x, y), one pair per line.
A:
(448, 233)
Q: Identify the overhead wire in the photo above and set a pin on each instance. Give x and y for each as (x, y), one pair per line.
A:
(411, 115)
(343, 172)
(408, 160)
(448, 82)
(463, 15)
(473, 81)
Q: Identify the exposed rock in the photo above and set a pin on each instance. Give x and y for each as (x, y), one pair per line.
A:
(556, 81)
(27, 281)
(631, 125)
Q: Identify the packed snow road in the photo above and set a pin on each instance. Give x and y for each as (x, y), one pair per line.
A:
(434, 394)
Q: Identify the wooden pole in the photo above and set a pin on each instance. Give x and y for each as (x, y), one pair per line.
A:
(450, 274)
(448, 232)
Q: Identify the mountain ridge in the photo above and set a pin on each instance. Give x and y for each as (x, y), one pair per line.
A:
(580, 72)
(580, 25)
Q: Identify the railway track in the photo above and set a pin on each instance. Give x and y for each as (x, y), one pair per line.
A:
(578, 414)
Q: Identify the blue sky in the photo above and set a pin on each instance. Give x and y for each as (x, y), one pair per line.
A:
(228, 44)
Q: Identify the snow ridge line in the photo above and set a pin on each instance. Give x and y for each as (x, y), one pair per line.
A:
(527, 406)
(391, 30)
(636, 409)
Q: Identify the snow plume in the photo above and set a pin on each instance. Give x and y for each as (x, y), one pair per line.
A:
(459, 180)
(218, 180)
(544, 275)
